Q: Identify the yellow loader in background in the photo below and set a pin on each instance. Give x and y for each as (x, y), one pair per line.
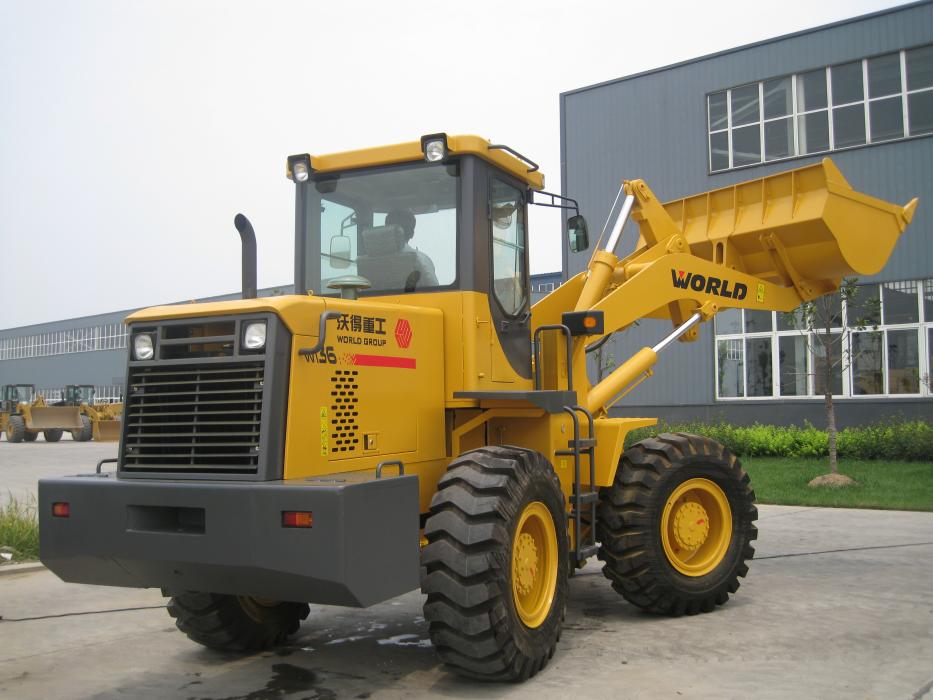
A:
(407, 419)
(100, 421)
(24, 418)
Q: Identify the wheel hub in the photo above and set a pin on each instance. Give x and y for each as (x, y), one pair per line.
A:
(691, 525)
(526, 563)
(534, 564)
(696, 527)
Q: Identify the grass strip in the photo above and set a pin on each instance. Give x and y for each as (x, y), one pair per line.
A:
(888, 485)
(19, 531)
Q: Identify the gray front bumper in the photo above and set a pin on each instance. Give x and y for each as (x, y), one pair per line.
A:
(226, 537)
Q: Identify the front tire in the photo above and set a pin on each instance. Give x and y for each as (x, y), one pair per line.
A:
(677, 524)
(235, 623)
(496, 564)
(85, 432)
(15, 429)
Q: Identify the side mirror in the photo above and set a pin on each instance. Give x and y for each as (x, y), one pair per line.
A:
(340, 252)
(577, 234)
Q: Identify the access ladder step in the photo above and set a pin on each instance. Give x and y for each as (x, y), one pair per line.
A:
(582, 443)
(587, 551)
(580, 499)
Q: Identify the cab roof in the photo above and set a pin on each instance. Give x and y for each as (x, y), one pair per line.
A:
(411, 151)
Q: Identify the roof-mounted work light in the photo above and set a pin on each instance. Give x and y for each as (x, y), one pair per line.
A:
(434, 147)
(299, 167)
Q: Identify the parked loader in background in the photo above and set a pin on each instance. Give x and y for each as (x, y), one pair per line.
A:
(25, 417)
(298, 449)
(13, 395)
(99, 421)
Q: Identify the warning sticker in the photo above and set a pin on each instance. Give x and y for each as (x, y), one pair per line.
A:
(761, 293)
(325, 447)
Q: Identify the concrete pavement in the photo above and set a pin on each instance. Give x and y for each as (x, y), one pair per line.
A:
(838, 604)
(24, 463)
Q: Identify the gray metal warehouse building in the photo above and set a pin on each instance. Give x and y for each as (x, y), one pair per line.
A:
(859, 91)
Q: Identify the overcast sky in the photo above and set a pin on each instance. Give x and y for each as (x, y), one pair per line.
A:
(131, 133)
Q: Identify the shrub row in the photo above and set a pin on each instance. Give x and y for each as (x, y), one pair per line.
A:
(905, 440)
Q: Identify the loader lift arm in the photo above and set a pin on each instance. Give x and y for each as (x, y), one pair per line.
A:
(766, 244)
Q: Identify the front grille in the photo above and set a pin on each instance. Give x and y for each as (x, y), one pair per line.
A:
(198, 417)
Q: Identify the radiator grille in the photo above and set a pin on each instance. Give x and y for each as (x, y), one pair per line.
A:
(203, 418)
(345, 410)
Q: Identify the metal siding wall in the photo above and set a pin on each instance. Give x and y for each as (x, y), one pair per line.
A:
(98, 367)
(101, 368)
(653, 127)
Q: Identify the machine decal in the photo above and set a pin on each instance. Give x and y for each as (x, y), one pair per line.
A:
(325, 447)
(382, 361)
(354, 323)
(709, 285)
(368, 328)
(323, 356)
(403, 333)
(760, 296)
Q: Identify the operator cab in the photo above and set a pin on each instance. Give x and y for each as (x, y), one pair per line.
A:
(77, 394)
(447, 214)
(14, 394)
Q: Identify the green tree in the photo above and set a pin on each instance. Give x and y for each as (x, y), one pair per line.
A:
(833, 351)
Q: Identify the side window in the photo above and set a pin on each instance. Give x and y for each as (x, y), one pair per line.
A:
(507, 214)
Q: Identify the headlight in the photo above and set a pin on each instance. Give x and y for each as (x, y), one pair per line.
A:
(434, 147)
(142, 347)
(254, 338)
(299, 167)
(435, 151)
(300, 171)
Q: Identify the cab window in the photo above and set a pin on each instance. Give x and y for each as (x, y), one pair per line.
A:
(507, 217)
(395, 226)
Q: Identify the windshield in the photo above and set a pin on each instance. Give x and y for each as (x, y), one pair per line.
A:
(396, 227)
(21, 394)
(81, 394)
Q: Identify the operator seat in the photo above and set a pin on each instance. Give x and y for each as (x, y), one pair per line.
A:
(385, 262)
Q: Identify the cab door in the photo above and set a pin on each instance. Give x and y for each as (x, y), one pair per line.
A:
(508, 292)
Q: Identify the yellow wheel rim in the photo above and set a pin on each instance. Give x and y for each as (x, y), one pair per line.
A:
(696, 527)
(254, 607)
(534, 564)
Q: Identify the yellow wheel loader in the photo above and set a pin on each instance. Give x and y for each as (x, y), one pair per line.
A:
(26, 414)
(406, 419)
(99, 421)
(13, 396)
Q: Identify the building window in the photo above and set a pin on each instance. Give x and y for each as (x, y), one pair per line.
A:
(872, 100)
(881, 345)
(111, 336)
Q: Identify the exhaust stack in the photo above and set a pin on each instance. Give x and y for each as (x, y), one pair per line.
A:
(247, 255)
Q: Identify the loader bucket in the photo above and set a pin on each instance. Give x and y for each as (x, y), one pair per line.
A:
(797, 227)
(107, 430)
(48, 417)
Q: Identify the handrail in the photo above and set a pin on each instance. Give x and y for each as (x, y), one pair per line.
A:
(321, 335)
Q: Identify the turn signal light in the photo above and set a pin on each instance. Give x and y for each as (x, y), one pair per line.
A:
(296, 518)
(61, 509)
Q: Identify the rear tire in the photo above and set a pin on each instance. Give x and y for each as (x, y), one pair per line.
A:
(52, 434)
(30, 437)
(234, 623)
(16, 429)
(496, 564)
(85, 432)
(677, 524)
